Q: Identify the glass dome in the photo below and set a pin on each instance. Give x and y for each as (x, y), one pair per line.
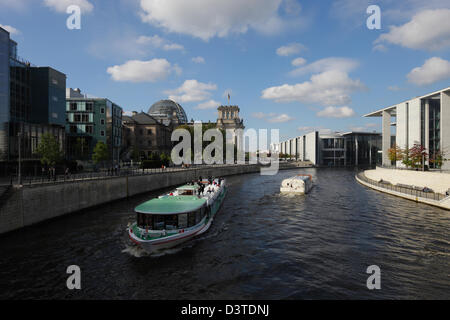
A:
(168, 108)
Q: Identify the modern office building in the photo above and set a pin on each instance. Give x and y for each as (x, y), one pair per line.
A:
(32, 103)
(424, 120)
(146, 135)
(333, 149)
(89, 121)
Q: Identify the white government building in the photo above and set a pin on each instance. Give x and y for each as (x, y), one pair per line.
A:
(423, 120)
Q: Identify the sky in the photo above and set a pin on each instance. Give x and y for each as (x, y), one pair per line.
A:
(291, 65)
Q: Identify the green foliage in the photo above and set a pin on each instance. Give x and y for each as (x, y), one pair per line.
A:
(100, 153)
(49, 150)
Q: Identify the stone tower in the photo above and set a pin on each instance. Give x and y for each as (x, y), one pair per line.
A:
(229, 120)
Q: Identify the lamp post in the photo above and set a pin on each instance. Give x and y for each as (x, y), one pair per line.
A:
(19, 136)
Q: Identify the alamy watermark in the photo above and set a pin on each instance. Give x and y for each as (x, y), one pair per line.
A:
(374, 20)
(222, 150)
(374, 280)
(74, 280)
(74, 20)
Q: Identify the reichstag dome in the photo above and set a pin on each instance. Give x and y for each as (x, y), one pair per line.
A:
(167, 109)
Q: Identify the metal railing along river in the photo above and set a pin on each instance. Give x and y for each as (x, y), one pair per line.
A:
(106, 174)
(409, 190)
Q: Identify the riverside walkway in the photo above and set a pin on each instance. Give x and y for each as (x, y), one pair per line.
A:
(407, 192)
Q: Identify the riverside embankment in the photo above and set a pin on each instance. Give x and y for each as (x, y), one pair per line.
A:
(30, 204)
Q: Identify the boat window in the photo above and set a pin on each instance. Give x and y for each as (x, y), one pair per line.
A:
(182, 221)
(171, 222)
(199, 215)
(191, 219)
(158, 222)
(186, 192)
(145, 220)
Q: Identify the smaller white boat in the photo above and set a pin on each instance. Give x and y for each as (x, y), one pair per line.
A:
(300, 184)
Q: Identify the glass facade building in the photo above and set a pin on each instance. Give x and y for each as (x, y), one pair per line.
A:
(32, 102)
(89, 121)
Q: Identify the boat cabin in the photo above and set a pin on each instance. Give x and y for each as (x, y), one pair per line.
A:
(171, 213)
(188, 190)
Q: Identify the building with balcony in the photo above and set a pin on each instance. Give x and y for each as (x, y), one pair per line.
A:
(89, 121)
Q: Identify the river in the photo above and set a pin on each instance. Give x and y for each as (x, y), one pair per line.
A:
(262, 245)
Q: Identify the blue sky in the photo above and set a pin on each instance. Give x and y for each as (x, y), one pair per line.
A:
(138, 52)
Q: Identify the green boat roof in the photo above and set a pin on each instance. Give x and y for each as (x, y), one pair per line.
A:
(171, 205)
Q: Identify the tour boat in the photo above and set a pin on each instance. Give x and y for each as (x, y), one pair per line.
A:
(300, 184)
(177, 217)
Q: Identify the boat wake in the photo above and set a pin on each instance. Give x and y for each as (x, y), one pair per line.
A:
(137, 252)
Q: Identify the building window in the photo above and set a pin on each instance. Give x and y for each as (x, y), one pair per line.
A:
(85, 118)
(102, 122)
(73, 129)
(149, 132)
(77, 118)
(55, 98)
(102, 133)
(149, 143)
(73, 106)
(90, 129)
(89, 106)
(54, 81)
(102, 110)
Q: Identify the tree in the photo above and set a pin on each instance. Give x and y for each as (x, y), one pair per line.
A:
(418, 156)
(437, 159)
(49, 150)
(395, 154)
(100, 153)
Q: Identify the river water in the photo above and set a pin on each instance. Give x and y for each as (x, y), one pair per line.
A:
(262, 245)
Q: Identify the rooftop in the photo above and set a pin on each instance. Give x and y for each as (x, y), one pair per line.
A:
(171, 205)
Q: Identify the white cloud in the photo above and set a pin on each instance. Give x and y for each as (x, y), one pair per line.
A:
(336, 112)
(198, 60)
(273, 117)
(143, 71)
(10, 29)
(290, 49)
(192, 91)
(427, 30)
(281, 118)
(158, 42)
(380, 48)
(328, 64)
(433, 70)
(330, 88)
(62, 5)
(298, 62)
(206, 19)
(211, 104)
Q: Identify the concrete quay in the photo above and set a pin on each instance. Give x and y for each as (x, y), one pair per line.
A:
(30, 204)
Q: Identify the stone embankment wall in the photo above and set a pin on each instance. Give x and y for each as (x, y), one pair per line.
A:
(29, 205)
